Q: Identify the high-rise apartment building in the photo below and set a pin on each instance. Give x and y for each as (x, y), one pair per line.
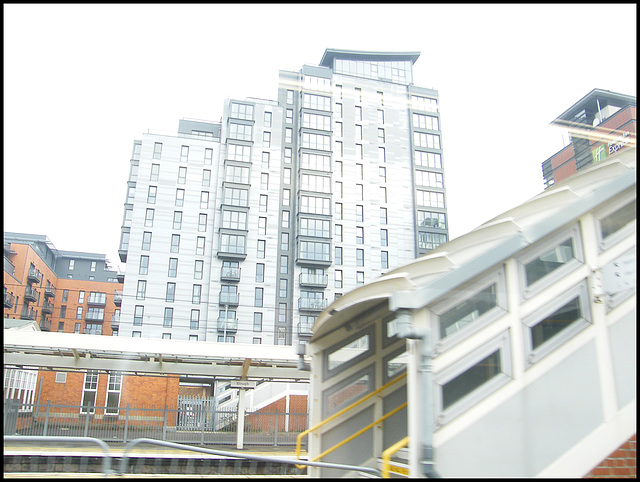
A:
(599, 125)
(245, 230)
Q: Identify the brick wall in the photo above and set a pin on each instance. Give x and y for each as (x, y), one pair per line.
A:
(620, 464)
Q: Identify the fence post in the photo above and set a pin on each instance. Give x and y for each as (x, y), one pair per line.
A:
(202, 419)
(86, 420)
(164, 425)
(126, 423)
(46, 419)
(275, 443)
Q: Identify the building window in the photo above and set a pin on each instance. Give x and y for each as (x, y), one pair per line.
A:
(79, 313)
(473, 378)
(259, 273)
(359, 234)
(202, 222)
(175, 243)
(384, 259)
(173, 267)
(179, 197)
(63, 311)
(157, 150)
(338, 130)
(266, 139)
(288, 154)
(267, 119)
(289, 116)
(232, 243)
(338, 110)
(338, 278)
(261, 248)
(151, 196)
(142, 289)
(358, 113)
(60, 326)
(171, 292)
(615, 223)
(284, 264)
(206, 178)
(258, 297)
(241, 132)
(241, 111)
(136, 334)
(148, 218)
(422, 121)
(204, 200)
(431, 240)
(194, 323)
(257, 322)
(155, 172)
(81, 297)
(89, 390)
(283, 288)
(184, 154)
(234, 219)
(195, 294)
(208, 156)
(359, 277)
(198, 269)
(289, 96)
(76, 327)
(384, 237)
(359, 257)
(200, 241)
(138, 314)
(338, 256)
(65, 296)
(358, 132)
(93, 266)
(146, 241)
(284, 241)
(177, 220)
(182, 175)
(422, 139)
(168, 318)
(286, 177)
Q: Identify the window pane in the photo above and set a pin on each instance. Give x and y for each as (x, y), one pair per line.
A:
(555, 323)
(468, 311)
(549, 261)
(618, 219)
(348, 393)
(349, 352)
(471, 379)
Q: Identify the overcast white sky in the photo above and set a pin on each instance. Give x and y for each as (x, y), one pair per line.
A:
(81, 82)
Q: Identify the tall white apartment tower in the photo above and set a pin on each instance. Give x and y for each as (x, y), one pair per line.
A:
(244, 231)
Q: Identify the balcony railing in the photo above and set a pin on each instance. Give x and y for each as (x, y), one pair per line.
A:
(94, 316)
(312, 304)
(9, 300)
(92, 331)
(30, 294)
(47, 307)
(97, 301)
(34, 276)
(304, 329)
(230, 274)
(117, 298)
(313, 279)
(28, 314)
(229, 298)
(45, 325)
(50, 291)
(227, 325)
(115, 319)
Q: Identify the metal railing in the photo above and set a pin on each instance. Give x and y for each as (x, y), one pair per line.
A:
(388, 453)
(344, 410)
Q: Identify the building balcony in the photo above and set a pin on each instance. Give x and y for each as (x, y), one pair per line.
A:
(312, 304)
(320, 262)
(94, 317)
(96, 301)
(9, 300)
(47, 307)
(115, 319)
(117, 298)
(229, 298)
(28, 314)
(45, 325)
(92, 331)
(34, 276)
(50, 291)
(317, 280)
(304, 329)
(30, 294)
(231, 253)
(227, 325)
(230, 274)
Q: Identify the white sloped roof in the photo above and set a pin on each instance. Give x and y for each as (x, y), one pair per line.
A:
(429, 277)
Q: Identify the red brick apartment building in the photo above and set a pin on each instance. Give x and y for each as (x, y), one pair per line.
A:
(599, 124)
(70, 292)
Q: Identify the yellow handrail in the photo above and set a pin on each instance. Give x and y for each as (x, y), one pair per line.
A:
(337, 414)
(388, 453)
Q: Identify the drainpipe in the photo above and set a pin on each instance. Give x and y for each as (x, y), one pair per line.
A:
(419, 393)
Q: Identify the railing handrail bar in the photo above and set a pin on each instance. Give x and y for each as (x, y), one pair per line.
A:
(106, 458)
(344, 410)
(388, 453)
(237, 455)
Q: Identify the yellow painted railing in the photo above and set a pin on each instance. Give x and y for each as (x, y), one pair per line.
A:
(387, 454)
(344, 410)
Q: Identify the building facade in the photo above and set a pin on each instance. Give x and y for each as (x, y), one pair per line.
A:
(64, 291)
(599, 125)
(245, 230)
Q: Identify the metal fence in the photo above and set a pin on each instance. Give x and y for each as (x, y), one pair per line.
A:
(188, 423)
